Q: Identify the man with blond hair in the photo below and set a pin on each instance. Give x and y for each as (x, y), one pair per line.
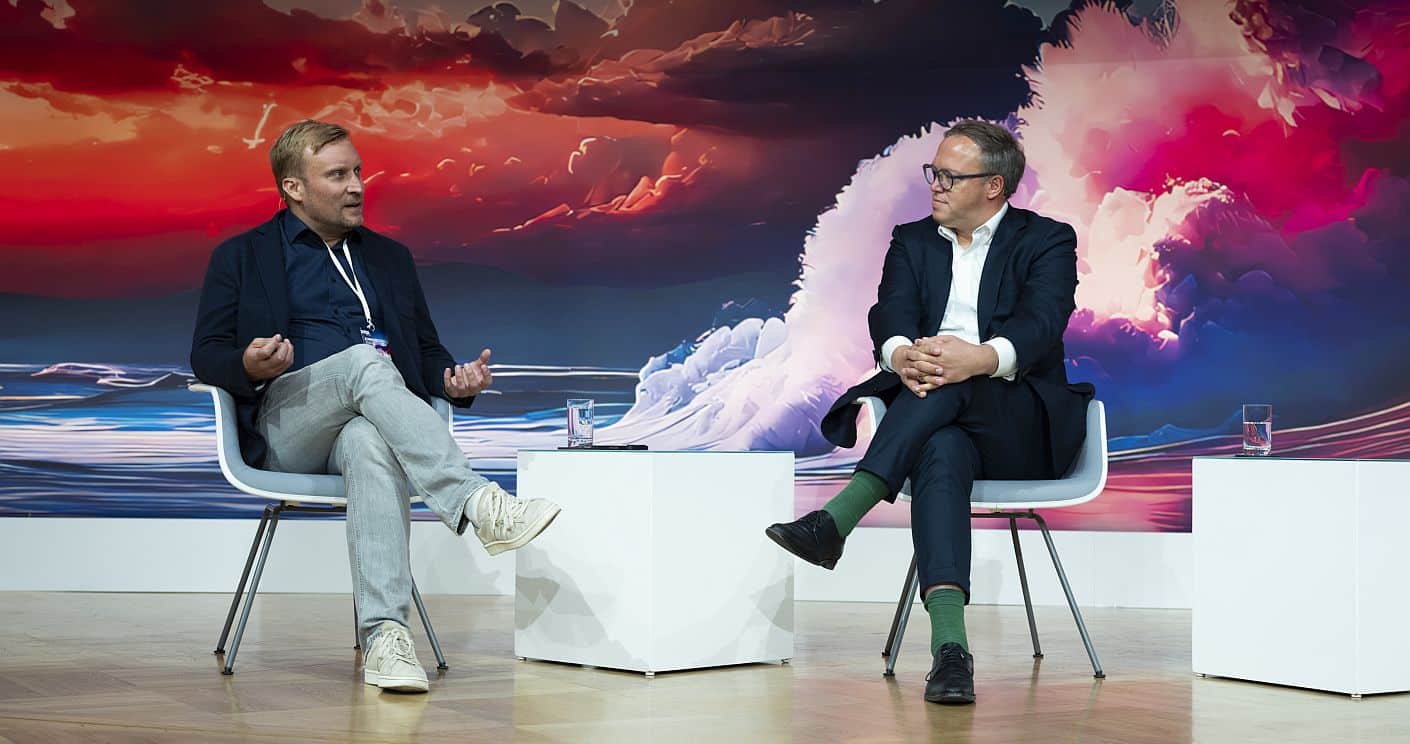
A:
(318, 327)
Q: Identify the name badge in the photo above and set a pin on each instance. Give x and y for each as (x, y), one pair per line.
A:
(377, 340)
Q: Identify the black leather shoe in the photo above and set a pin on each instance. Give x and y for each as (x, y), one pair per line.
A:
(951, 678)
(813, 537)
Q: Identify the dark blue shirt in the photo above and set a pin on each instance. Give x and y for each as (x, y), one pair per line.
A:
(324, 314)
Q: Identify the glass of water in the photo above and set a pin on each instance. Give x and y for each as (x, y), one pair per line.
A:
(580, 422)
(1258, 429)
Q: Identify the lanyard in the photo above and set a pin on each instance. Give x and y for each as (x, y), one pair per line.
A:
(352, 283)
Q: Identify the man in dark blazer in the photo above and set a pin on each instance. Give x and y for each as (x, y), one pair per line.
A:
(968, 329)
(319, 329)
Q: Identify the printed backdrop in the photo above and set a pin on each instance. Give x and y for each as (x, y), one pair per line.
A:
(679, 209)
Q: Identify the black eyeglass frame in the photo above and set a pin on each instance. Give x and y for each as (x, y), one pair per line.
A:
(932, 174)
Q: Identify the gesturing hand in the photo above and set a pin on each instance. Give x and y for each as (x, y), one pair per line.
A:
(471, 378)
(267, 358)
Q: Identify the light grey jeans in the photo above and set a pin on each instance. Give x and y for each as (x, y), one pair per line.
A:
(352, 414)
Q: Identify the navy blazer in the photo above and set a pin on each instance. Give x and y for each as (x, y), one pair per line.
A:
(1026, 294)
(245, 296)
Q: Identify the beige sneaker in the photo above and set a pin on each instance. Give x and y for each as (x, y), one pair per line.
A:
(391, 662)
(507, 523)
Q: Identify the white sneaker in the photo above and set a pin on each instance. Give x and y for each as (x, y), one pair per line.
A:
(390, 662)
(506, 523)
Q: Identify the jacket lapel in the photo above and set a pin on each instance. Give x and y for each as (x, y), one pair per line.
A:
(939, 270)
(269, 256)
(999, 249)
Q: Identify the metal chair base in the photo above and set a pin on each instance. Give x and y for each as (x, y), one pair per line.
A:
(259, 552)
(912, 585)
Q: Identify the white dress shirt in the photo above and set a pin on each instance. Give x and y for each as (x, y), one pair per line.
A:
(961, 317)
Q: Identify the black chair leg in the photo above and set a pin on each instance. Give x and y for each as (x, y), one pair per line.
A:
(903, 616)
(896, 619)
(244, 577)
(274, 513)
(1071, 602)
(430, 631)
(1023, 581)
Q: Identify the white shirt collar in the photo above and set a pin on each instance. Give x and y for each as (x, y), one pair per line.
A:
(984, 232)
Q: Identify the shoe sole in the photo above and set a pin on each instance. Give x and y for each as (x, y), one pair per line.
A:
(500, 546)
(395, 684)
(952, 698)
(783, 542)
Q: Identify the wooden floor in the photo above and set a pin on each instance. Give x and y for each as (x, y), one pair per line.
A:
(119, 668)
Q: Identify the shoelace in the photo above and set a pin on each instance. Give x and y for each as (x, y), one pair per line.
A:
(948, 655)
(504, 512)
(400, 646)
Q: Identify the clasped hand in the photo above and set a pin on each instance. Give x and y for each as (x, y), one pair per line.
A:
(936, 361)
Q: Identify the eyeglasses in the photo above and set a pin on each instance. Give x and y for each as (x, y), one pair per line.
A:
(946, 178)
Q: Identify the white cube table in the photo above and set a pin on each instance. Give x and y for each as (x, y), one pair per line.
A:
(1302, 571)
(658, 561)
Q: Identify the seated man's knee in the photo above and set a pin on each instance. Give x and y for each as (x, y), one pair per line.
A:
(367, 365)
(363, 354)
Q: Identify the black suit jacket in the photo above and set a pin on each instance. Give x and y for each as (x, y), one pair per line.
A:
(1026, 294)
(245, 296)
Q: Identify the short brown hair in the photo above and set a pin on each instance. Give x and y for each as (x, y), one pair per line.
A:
(286, 156)
(999, 149)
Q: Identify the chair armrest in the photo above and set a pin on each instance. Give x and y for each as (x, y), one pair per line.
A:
(445, 411)
(227, 437)
(872, 409)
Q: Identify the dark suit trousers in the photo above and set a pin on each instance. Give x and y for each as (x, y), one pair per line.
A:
(982, 428)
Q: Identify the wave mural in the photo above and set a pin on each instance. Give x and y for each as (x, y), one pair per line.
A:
(681, 211)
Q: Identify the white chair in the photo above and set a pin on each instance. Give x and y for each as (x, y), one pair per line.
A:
(291, 492)
(1014, 500)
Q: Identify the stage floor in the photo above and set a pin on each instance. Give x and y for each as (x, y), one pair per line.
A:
(138, 667)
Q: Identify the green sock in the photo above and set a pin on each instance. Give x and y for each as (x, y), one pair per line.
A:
(946, 608)
(854, 501)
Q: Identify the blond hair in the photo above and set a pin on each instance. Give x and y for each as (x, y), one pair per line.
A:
(286, 156)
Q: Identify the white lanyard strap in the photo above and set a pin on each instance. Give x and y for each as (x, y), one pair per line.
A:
(352, 283)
